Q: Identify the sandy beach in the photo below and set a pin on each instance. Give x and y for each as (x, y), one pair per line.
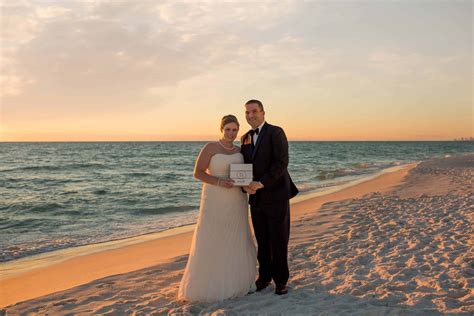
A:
(398, 244)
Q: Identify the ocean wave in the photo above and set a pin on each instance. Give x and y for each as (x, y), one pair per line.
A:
(362, 165)
(44, 208)
(313, 187)
(68, 192)
(25, 225)
(335, 173)
(138, 174)
(12, 180)
(71, 166)
(52, 181)
(167, 176)
(35, 182)
(376, 165)
(100, 192)
(37, 246)
(7, 169)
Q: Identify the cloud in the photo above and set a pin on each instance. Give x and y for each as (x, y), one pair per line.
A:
(12, 84)
(18, 23)
(93, 49)
(131, 54)
(212, 15)
(18, 26)
(51, 12)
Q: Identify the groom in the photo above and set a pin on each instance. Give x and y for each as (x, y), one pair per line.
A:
(266, 147)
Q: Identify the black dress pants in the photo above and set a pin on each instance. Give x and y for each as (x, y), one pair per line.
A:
(271, 225)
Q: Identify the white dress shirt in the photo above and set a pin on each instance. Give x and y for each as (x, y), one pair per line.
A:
(255, 136)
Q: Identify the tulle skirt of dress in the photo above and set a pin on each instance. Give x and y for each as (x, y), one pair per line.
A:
(222, 261)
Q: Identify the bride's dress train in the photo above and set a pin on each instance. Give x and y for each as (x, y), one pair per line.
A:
(222, 261)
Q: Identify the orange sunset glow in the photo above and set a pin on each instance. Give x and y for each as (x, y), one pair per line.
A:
(151, 71)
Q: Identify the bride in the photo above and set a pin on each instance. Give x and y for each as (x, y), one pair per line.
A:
(222, 261)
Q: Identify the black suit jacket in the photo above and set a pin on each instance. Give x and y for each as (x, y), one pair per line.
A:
(270, 163)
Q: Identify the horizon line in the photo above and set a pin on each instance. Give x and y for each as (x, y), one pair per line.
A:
(208, 140)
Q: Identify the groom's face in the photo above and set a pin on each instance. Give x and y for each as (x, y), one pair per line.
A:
(254, 115)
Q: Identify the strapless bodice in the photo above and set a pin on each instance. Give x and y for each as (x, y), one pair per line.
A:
(219, 165)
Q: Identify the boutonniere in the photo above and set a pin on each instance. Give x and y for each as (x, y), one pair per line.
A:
(247, 140)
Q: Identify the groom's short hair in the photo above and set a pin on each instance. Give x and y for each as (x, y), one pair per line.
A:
(257, 102)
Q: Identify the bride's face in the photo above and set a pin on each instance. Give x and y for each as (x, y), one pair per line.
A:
(230, 131)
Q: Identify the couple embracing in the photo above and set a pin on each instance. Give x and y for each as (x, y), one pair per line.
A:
(222, 260)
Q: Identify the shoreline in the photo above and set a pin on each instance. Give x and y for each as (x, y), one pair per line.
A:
(335, 188)
(17, 266)
(54, 255)
(121, 257)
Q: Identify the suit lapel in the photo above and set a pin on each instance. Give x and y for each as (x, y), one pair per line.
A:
(259, 139)
(246, 147)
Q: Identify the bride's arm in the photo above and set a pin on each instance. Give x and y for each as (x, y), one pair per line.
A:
(202, 163)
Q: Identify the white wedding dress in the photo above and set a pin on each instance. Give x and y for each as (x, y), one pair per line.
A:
(222, 261)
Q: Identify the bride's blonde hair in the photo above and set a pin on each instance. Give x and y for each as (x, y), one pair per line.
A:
(229, 119)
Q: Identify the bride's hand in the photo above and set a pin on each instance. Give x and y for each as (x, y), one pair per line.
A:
(227, 183)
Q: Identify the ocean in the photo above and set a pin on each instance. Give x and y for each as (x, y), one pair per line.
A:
(65, 194)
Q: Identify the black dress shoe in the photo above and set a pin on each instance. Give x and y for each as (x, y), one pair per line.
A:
(262, 284)
(281, 289)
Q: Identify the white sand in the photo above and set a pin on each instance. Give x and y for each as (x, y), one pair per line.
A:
(404, 250)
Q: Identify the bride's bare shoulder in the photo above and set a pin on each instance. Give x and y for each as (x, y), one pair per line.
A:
(210, 148)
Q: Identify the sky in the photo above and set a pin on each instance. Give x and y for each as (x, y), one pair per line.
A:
(135, 70)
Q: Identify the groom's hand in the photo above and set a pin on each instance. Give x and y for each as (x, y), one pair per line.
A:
(255, 185)
(249, 190)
